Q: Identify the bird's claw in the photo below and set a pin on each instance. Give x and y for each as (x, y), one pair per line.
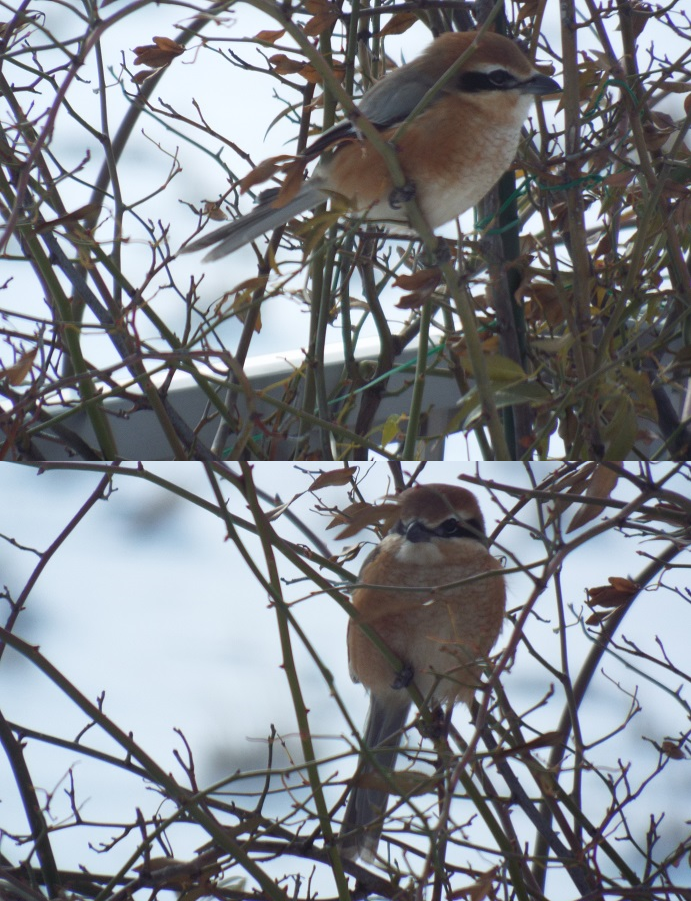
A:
(402, 195)
(436, 727)
(442, 252)
(403, 678)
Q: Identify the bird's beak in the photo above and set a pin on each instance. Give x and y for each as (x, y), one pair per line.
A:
(541, 84)
(417, 532)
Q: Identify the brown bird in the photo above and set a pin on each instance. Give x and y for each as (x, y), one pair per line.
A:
(438, 633)
(451, 153)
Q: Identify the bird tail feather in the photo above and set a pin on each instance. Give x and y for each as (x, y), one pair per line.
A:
(363, 818)
(263, 218)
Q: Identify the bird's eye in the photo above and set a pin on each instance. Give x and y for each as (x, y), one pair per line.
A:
(460, 528)
(500, 78)
(449, 527)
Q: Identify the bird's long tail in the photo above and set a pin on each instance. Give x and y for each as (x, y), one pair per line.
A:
(363, 818)
(263, 218)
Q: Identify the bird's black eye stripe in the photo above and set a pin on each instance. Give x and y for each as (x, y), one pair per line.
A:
(477, 527)
(449, 528)
(460, 528)
(496, 80)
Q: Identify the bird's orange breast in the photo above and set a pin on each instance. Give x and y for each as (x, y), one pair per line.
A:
(452, 153)
(435, 627)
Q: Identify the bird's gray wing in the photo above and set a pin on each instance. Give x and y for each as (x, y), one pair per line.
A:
(388, 102)
(391, 100)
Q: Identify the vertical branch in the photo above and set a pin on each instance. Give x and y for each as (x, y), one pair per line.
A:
(273, 585)
(499, 246)
(372, 396)
(583, 347)
(32, 808)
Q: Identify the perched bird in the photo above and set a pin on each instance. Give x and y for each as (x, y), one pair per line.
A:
(451, 153)
(438, 634)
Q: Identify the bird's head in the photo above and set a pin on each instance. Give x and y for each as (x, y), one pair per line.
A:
(494, 66)
(446, 512)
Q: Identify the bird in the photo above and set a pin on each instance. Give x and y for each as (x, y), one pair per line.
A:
(451, 154)
(439, 634)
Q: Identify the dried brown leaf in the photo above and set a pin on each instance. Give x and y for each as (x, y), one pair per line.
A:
(284, 65)
(17, 372)
(359, 516)
(214, 212)
(658, 129)
(419, 280)
(334, 477)
(159, 54)
(310, 74)
(141, 77)
(398, 23)
(527, 10)
(322, 20)
(671, 749)
(618, 592)
(291, 184)
(601, 483)
(251, 284)
(480, 889)
(269, 37)
(242, 306)
(276, 512)
(543, 302)
(569, 487)
(263, 171)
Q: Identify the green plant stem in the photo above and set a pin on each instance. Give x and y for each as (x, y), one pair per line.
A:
(412, 432)
(70, 332)
(583, 351)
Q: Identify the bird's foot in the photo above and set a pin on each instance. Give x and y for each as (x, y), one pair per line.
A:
(442, 252)
(403, 678)
(402, 195)
(436, 727)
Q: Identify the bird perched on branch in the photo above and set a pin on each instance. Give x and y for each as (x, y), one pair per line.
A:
(451, 153)
(439, 634)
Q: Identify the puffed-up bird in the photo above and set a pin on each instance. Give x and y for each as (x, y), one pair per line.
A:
(451, 153)
(440, 632)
